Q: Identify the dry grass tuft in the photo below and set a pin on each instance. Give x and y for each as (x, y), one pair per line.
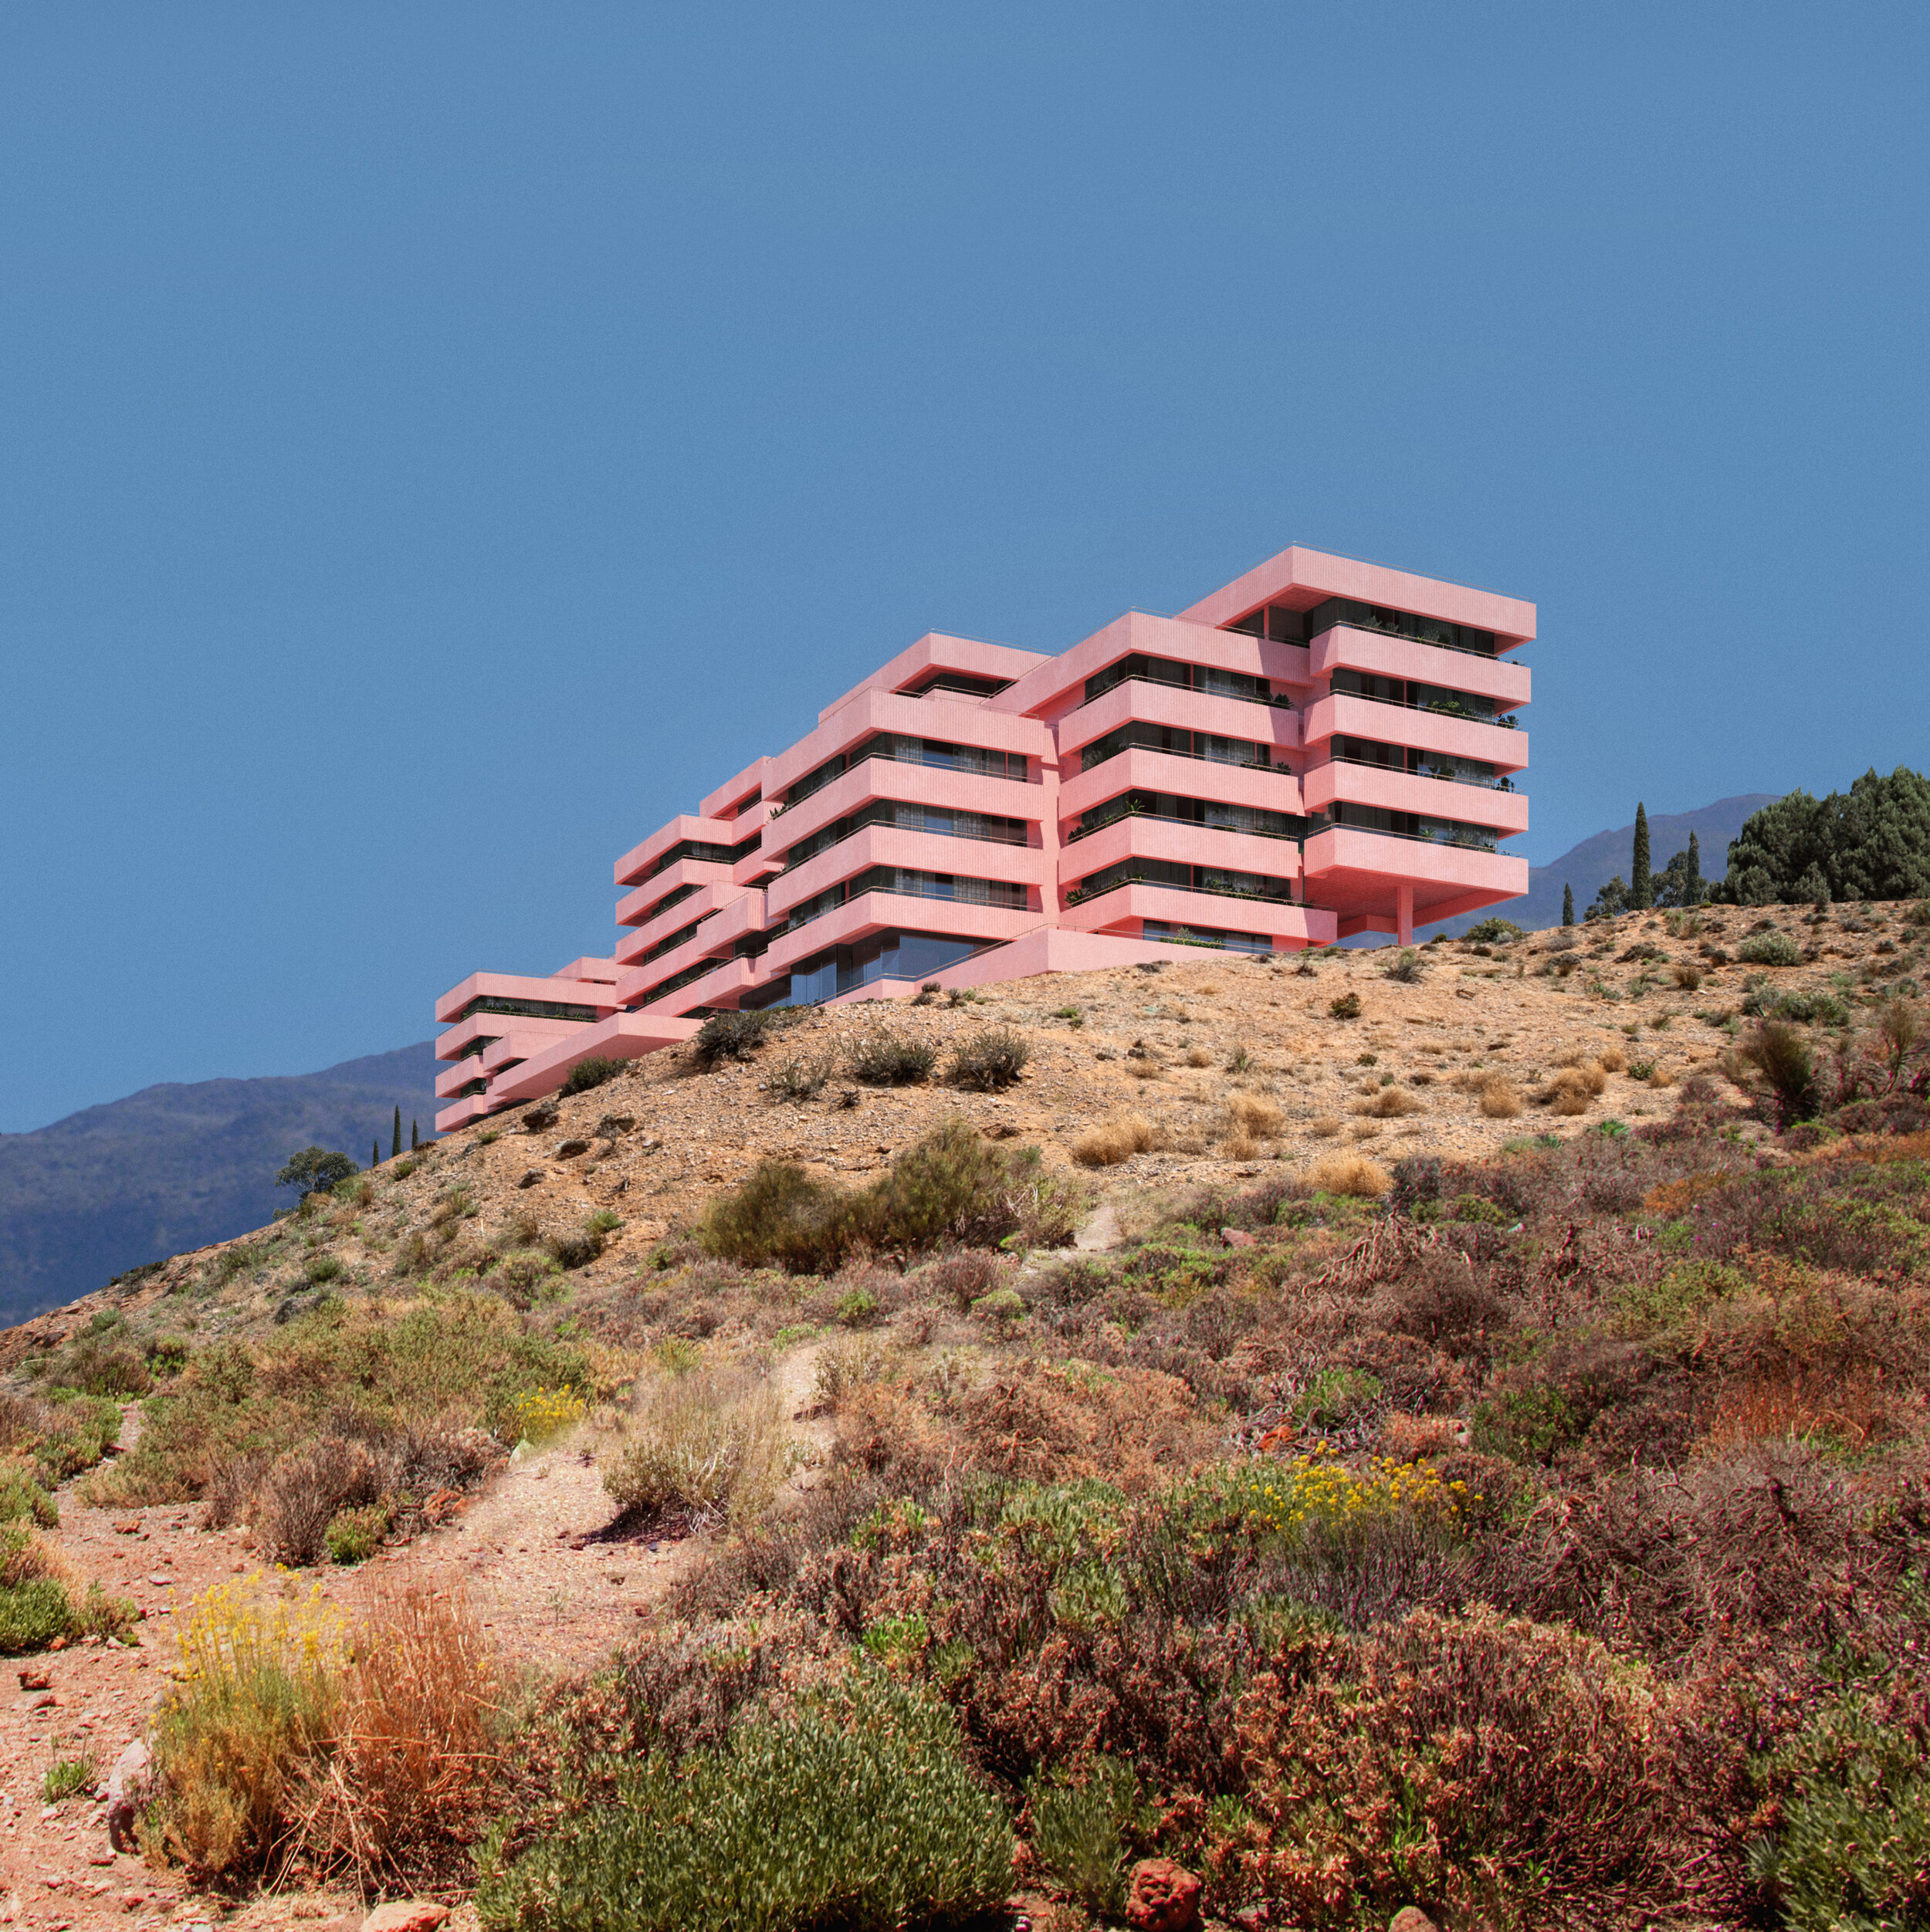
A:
(1661, 1077)
(1113, 1140)
(1498, 1099)
(1255, 1115)
(414, 1762)
(1325, 1128)
(1144, 1070)
(1339, 1173)
(705, 1446)
(1198, 1057)
(1238, 1146)
(1389, 1103)
(1613, 1060)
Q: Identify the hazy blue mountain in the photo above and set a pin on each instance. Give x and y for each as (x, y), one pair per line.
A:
(175, 1166)
(1590, 866)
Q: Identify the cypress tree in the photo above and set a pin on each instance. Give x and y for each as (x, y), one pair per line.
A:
(1568, 905)
(415, 1137)
(395, 1137)
(375, 1153)
(1641, 884)
(1696, 893)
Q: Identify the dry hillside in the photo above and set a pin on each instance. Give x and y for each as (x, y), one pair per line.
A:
(1627, 1396)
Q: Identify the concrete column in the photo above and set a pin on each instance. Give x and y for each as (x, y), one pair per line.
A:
(1404, 915)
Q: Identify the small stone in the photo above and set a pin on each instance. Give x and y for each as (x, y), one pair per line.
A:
(406, 1915)
(1410, 1918)
(1165, 1897)
(532, 1178)
(36, 1680)
(130, 1528)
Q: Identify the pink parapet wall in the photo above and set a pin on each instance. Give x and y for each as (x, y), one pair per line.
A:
(1322, 748)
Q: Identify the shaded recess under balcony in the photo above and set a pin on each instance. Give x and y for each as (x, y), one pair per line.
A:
(1186, 878)
(1299, 626)
(909, 751)
(1005, 893)
(1178, 743)
(526, 1008)
(1204, 678)
(1415, 825)
(846, 968)
(1419, 764)
(942, 822)
(1208, 812)
(1414, 696)
(698, 848)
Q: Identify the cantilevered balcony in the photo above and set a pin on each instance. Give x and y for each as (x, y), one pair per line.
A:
(1345, 647)
(1354, 871)
(1270, 728)
(1323, 785)
(1138, 835)
(919, 851)
(1342, 714)
(877, 912)
(878, 779)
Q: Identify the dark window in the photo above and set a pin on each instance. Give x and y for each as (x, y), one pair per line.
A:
(1399, 623)
(1184, 677)
(1189, 811)
(1186, 878)
(1169, 934)
(911, 818)
(1181, 744)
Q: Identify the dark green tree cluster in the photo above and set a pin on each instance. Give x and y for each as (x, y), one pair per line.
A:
(1679, 883)
(1872, 842)
(315, 1170)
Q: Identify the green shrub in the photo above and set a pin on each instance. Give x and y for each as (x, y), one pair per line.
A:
(1805, 1008)
(858, 1811)
(353, 1535)
(1853, 1842)
(520, 1278)
(801, 1077)
(1682, 1293)
(1346, 1007)
(319, 1268)
(575, 1248)
(167, 1354)
(1336, 1396)
(1078, 1833)
(989, 1061)
(1003, 1306)
(1408, 968)
(951, 1187)
(1496, 931)
(31, 1615)
(1769, 948)
(888, 1059)
(1777, 1051)
(78, 1434)
(605, 1220)
(21, 1498)
(731, 1035)
(1524, 1425)
(857, 1308)
(590, 1072)
(784, 1216)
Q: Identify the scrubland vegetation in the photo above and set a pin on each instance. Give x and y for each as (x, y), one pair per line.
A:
(1538, 1539)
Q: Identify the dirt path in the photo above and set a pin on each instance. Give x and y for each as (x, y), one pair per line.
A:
(531, 1554)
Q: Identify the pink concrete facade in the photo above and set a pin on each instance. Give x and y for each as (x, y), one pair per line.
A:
(1322, 748)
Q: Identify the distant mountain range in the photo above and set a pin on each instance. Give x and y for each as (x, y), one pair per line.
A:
(1590, 866)
(174, 1167)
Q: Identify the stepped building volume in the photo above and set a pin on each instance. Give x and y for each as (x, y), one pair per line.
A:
(1322, 748)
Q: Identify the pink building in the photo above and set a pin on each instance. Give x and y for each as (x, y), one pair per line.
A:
(1322, 748)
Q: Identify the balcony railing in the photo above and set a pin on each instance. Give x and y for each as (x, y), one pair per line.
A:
(1465, 712)
(1466, 838)
(896, 748)
(1173, 818)
(1279, 701)
(1497, 783)
(1081, 894)
(808, 849)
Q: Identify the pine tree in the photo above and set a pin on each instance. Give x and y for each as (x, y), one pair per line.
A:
(415, 1137)
(395, 1136)
(1568, 905)
(1641, 885)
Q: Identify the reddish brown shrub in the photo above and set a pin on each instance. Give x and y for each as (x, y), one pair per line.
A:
(1474, 1764)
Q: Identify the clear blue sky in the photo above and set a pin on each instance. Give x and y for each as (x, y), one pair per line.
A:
(442, 440)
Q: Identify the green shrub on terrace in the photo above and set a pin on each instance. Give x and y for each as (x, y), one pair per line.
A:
(78, 1433)
(1682, 1292)
(1079, 1832)
(1526, 1425)
(1337, 1396)
(859, 1810)
(23, 1498)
